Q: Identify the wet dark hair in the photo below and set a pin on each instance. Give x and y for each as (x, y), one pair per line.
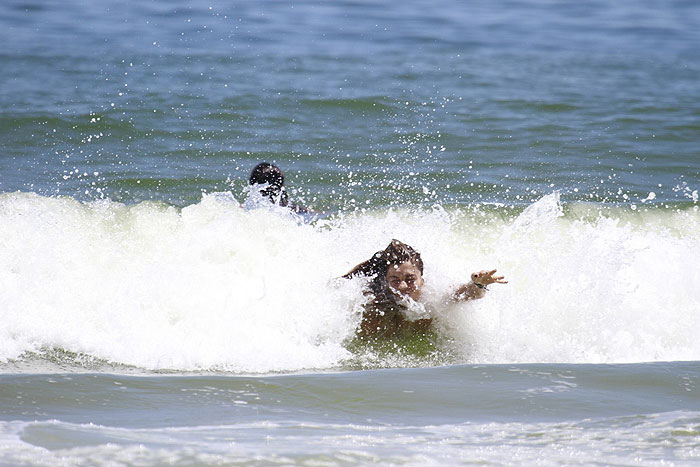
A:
(272, 176)
(393, 255)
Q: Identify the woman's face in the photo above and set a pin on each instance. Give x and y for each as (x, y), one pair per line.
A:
(405, 279)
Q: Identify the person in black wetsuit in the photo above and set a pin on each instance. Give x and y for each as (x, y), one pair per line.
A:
(271, 178)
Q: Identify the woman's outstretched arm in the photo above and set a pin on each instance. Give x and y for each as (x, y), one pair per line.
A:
(476, 288)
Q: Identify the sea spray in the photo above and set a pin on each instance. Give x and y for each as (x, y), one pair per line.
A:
(210, 287)
(215, 286)
(590, 291)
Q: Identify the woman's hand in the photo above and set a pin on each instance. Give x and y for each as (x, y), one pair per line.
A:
(477, 287)
(484, 278)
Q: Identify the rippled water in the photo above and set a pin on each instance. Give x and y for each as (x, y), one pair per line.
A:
(148, 100)
(153, 312)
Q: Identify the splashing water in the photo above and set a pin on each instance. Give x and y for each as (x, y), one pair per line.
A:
(216, 286)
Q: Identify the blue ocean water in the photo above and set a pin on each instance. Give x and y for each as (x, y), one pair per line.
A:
(163, 100)
(155, 311)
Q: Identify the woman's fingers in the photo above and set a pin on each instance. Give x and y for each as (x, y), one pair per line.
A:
(487, 277)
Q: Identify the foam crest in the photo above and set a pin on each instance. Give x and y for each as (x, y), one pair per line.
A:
(254, 289)
(212, 286)
(603, 290)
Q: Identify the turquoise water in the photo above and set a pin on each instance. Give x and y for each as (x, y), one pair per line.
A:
(154, 312)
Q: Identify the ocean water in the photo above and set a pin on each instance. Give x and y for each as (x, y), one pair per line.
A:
(155, 311)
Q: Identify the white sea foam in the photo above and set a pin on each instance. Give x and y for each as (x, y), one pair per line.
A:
(614, 289)
(608, 441)
(254, 288)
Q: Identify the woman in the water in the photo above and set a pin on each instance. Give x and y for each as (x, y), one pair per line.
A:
(396, 283)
